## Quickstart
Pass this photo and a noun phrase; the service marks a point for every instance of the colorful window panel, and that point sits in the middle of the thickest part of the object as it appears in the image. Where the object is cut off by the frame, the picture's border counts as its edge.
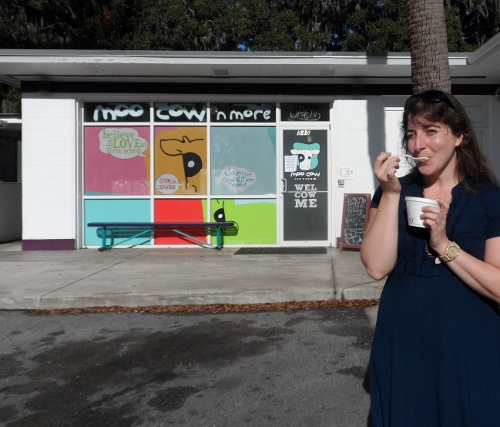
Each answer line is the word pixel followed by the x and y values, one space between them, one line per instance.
pixel 243 160
pixel 180 160
pixel 117 161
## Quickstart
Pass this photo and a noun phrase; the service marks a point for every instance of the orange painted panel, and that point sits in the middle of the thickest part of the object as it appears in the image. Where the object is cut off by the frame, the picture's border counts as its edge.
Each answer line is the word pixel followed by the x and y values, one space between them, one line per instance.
pixel 181 160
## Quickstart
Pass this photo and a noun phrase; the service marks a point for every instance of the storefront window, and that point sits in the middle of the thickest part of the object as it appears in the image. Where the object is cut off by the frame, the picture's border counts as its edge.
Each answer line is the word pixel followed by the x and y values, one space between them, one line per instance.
pixel 172 162
pixel 243 160
pixel 255 219
pixel 116 160
pixel 181 160
pixel 180 210
pixel 116 210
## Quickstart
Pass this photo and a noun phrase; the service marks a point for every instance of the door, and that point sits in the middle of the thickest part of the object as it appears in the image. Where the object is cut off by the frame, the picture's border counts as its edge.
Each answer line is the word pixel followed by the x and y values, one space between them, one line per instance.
pixel 304 187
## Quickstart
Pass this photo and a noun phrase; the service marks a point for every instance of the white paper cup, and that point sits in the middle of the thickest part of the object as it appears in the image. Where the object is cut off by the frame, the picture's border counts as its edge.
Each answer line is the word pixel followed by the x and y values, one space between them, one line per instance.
pixel 414 207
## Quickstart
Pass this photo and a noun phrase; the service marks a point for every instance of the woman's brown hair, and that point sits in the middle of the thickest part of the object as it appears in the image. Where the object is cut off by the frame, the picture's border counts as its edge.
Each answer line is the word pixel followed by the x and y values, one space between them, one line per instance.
pixel 441 107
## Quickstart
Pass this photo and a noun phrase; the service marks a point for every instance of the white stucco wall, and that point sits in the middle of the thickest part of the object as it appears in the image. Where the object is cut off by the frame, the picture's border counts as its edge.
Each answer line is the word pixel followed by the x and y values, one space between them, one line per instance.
pixel 479 111
pixel 358 127
pixel 494 134
pixel 49 167
pixel 484 113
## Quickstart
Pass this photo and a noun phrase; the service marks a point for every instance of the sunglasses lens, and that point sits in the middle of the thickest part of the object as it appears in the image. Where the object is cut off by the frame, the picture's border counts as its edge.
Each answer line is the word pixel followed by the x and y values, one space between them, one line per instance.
pixel 434 96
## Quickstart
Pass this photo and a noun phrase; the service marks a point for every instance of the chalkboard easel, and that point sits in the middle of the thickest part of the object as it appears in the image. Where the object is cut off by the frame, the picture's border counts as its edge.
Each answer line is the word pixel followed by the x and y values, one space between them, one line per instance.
pixel 354 219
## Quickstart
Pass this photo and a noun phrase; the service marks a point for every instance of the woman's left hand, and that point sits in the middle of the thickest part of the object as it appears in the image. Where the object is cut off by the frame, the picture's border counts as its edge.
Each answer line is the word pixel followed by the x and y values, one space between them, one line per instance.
pixel 435 220
pixel 482 276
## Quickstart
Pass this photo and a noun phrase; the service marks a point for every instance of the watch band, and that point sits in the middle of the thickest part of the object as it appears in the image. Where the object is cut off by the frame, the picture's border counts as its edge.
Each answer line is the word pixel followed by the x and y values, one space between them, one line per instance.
pixel 452 251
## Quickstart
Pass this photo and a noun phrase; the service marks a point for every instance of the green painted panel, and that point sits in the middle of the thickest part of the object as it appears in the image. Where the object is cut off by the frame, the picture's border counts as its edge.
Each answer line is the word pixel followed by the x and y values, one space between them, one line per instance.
pixel 255 220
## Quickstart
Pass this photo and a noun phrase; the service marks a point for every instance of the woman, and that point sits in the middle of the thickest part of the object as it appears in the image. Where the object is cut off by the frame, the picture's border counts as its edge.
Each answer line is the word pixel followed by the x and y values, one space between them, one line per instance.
pixel 435 358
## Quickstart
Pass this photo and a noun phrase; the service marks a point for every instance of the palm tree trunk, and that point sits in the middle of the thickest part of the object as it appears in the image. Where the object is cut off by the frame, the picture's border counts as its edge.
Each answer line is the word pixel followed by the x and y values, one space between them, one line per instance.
pixel 430 67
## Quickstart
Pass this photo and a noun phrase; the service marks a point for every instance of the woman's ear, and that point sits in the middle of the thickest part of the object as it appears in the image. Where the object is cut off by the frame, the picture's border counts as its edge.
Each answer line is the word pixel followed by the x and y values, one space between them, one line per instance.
pixel 459 140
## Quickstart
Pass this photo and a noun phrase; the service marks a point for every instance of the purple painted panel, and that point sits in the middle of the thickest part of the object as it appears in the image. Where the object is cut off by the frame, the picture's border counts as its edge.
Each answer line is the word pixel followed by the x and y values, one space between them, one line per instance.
pixel 48 245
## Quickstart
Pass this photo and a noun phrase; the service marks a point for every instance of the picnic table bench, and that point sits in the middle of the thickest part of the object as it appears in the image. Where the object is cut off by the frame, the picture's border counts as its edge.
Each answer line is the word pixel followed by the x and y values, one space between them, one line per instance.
pixel 132 230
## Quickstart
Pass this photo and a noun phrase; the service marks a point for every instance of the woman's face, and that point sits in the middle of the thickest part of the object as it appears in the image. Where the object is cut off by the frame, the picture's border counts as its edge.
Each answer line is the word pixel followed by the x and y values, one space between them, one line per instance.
pixel 433 140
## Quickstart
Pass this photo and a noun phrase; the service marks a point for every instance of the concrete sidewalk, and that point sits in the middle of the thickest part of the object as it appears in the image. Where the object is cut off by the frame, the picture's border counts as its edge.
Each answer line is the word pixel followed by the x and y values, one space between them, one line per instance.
pixel 146 277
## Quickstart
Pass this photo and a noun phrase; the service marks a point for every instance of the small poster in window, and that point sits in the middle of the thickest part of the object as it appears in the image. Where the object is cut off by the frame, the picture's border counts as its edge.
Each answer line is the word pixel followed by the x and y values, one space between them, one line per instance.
pixel 290 163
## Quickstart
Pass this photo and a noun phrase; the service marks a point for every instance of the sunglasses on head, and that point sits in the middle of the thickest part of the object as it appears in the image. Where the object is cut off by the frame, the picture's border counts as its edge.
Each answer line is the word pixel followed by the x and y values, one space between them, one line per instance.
pixel 433 96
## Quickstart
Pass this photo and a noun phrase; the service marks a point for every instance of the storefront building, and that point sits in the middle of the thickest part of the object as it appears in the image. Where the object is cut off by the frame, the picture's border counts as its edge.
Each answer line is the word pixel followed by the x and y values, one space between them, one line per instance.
pixel 271 142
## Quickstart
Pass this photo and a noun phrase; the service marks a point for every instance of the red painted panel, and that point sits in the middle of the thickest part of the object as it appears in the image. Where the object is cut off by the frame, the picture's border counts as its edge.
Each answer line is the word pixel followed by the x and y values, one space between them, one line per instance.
pixel 179 210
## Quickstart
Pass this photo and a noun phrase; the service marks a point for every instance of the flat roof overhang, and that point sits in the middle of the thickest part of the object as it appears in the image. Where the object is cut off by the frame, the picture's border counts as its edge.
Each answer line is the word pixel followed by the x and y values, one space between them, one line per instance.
pixel 17 66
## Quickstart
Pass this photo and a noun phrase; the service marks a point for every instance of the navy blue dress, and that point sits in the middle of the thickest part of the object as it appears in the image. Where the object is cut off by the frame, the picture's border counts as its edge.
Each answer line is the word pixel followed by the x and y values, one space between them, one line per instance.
pixel 435 358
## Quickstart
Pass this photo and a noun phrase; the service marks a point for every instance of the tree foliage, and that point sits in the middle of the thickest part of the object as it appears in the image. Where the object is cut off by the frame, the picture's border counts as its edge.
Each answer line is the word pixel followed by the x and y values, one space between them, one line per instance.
pixel 479 20
pixel 377 26
pixel 231 25
pixel 228 25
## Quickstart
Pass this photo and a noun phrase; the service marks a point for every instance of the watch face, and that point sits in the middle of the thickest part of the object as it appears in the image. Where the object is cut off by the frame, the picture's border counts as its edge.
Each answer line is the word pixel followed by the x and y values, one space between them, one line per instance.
pixel 452 251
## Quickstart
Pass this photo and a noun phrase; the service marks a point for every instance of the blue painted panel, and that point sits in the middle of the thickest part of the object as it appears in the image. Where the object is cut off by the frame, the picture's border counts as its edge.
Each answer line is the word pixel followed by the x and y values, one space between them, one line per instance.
pixel 115 210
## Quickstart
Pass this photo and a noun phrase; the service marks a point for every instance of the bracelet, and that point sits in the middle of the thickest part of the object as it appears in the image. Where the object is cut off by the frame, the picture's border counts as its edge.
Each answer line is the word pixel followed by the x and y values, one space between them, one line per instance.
pixel 451 252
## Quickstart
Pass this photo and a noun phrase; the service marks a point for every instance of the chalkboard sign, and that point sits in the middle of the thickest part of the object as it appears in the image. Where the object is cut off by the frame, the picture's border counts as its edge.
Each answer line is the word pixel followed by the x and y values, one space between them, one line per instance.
pixel 354 219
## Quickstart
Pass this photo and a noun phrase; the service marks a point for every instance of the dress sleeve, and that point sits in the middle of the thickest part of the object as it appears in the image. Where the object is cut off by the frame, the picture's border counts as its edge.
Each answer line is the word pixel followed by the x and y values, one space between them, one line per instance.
pixel 376 197
pixel 493 214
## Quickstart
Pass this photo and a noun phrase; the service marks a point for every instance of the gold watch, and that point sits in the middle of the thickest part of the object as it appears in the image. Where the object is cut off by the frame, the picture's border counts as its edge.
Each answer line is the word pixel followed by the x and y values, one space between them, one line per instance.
pixel 451 252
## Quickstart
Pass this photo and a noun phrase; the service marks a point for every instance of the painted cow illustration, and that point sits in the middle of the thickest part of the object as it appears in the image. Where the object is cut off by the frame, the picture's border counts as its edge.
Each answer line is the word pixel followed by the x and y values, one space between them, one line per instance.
pixel 307 155
pixel 191 162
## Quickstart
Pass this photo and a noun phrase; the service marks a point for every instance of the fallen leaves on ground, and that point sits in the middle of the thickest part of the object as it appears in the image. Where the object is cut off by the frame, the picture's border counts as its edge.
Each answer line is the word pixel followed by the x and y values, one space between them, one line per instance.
pixel 215 308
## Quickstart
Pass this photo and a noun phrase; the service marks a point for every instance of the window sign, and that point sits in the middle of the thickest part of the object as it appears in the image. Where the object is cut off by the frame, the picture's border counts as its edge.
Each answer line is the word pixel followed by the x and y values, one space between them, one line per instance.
pixel 243 160
pixel 303 112
pixel 243 113
pixel 181 160
pixel 180 112
pixel 116 160
pixel 116 112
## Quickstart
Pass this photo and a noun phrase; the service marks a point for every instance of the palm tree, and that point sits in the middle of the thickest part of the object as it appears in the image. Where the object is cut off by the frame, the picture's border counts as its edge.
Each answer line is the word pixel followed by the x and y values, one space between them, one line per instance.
pixel 430 68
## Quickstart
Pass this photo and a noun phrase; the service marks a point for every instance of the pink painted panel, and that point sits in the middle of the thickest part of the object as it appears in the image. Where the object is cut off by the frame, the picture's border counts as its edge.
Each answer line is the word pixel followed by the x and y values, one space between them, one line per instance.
pixel 117 160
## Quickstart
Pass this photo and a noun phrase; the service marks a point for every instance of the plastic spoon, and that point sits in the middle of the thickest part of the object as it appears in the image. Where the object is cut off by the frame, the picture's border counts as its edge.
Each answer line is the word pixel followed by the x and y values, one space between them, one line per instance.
pixel 417 159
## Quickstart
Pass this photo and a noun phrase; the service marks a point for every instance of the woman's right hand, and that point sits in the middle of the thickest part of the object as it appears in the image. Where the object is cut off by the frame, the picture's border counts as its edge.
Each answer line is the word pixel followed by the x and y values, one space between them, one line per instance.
pixel 385 169
pixel 382 228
